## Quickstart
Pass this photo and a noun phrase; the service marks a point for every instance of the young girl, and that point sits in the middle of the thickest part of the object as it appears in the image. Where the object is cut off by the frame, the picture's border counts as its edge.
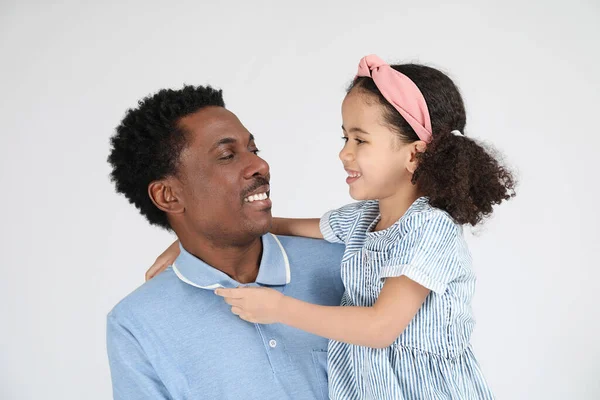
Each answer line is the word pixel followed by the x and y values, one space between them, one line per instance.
pixel 404 325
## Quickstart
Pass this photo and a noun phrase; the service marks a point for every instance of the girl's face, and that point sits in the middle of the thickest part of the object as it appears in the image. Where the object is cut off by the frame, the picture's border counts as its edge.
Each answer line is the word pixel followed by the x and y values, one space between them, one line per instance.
pixel 379 165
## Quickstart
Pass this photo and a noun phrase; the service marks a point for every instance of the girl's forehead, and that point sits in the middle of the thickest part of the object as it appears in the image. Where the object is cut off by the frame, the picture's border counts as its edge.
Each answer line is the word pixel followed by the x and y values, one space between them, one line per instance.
pixel 362 107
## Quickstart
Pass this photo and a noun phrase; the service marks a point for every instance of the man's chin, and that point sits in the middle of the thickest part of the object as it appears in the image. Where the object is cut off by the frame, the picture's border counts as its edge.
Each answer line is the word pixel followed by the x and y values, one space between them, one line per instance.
pixel 260 224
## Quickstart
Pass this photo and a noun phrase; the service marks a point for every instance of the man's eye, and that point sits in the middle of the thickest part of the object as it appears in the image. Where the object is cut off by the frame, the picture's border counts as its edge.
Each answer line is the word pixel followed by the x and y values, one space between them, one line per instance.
pixel 227 157
pixel 256 151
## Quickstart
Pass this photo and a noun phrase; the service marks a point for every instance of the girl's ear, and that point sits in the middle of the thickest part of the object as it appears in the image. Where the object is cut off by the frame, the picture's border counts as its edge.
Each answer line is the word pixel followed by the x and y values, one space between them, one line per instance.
pixel 415 148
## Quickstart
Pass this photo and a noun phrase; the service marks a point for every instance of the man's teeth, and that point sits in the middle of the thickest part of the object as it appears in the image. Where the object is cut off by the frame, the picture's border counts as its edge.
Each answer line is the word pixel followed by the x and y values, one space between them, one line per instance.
pixel 260 196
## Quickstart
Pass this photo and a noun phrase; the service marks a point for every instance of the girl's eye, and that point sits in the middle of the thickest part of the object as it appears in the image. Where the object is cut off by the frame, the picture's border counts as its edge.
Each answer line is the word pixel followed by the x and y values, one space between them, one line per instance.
pixel 357 140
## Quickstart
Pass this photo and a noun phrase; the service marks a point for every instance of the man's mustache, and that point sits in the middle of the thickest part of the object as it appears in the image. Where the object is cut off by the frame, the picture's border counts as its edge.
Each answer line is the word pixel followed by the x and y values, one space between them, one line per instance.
pixel 258 182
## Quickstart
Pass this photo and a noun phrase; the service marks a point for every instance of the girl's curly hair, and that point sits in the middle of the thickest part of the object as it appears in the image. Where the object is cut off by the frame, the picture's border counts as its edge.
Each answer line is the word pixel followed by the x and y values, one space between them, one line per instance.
pixel 458 174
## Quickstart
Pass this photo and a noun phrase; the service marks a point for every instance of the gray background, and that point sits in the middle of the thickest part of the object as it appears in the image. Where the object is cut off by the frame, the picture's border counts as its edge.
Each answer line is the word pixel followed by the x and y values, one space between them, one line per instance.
pixel 72 248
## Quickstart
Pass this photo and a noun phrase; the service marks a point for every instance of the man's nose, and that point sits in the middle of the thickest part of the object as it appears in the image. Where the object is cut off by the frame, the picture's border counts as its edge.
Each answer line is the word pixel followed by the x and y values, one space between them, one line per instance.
pixel 256 166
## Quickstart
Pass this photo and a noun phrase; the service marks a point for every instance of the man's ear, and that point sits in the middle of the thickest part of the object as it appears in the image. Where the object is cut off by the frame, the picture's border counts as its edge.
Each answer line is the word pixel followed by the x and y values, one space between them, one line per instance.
pixel 415 148
pixel 166 195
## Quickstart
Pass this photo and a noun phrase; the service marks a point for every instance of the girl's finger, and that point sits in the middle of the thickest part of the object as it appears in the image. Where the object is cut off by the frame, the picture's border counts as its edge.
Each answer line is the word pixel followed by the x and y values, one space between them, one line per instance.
pixel 152 271
pixel 232 301
pixel 247 318
pixel 236 310
pixel 230 293
pixel 158 267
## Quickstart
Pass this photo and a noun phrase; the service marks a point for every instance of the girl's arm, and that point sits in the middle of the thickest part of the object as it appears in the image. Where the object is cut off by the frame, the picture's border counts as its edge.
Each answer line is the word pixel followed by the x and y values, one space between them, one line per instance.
pixel 308 227
pixel 377 326
pixel 163 261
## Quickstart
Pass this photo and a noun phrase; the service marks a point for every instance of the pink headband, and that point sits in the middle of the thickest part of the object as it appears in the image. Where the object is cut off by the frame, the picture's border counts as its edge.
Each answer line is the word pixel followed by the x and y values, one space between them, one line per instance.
pixel 400 92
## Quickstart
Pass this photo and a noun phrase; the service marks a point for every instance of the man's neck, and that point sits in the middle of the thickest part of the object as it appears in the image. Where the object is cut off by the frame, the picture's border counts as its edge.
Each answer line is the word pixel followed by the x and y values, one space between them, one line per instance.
pixel 240 262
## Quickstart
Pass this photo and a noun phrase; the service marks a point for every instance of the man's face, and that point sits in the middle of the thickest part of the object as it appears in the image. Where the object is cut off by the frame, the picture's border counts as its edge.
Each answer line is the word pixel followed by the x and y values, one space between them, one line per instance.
pixel 224 184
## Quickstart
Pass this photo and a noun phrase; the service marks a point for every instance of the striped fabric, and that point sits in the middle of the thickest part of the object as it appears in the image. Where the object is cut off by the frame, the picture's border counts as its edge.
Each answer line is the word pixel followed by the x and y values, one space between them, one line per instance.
pixel 432 358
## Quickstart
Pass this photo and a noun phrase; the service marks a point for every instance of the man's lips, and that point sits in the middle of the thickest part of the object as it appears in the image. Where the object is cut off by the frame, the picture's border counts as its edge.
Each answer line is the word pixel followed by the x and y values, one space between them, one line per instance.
pixel 259 195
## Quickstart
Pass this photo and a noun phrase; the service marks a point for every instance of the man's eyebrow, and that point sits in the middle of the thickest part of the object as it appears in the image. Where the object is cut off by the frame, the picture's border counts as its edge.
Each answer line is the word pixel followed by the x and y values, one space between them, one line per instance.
pixel 229 140
pixel 355 130
pixel 222 141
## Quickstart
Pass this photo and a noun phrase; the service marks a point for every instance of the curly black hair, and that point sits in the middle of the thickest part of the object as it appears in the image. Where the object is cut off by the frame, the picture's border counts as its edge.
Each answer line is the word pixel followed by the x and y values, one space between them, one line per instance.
pixel 148 142
pixel 457 173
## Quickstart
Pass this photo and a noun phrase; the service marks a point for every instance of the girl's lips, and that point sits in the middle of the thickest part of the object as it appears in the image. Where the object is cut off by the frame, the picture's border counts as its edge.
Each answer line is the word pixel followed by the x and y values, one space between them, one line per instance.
pixel 352 179
pixel 353 176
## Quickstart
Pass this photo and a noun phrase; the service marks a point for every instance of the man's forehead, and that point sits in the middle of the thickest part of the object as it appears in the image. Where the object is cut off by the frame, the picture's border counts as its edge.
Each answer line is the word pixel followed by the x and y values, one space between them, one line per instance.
pixel 208 119
pixel 211 124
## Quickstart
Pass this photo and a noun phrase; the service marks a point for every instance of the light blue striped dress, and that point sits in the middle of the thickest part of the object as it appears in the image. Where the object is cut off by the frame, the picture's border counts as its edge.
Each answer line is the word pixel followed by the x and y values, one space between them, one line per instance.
pixel 432 358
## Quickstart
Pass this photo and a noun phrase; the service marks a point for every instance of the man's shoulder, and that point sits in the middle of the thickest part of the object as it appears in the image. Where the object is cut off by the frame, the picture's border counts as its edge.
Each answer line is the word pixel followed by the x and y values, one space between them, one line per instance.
pixel 154 294
pixel 312 254
pixel 317 247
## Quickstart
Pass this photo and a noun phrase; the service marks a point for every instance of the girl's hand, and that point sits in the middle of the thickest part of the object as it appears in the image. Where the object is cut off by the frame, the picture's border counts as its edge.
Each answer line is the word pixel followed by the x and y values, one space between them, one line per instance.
pixel 164 260
pixel 256 305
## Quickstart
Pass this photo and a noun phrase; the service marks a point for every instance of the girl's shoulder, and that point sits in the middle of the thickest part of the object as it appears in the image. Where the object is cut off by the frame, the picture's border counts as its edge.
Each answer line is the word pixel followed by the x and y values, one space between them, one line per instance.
pixel 348 223
pixel 422 214
pixel 367 209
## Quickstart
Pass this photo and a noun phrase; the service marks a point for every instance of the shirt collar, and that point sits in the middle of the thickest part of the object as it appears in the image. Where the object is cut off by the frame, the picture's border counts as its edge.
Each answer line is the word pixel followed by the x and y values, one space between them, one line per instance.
pixel 417 206
pixel 274 268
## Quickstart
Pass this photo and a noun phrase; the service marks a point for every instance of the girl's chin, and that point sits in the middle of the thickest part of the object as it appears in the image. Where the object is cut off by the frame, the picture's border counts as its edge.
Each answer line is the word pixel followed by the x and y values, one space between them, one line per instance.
pixel 360 195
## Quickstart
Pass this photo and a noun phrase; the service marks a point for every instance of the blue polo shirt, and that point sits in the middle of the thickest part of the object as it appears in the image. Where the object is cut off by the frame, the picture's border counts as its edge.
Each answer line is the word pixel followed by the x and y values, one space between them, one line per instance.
pixel 173 338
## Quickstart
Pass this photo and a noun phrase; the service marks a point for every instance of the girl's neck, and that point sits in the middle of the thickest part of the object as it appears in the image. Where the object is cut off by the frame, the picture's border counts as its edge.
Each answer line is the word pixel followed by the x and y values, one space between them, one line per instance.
pixel 392 208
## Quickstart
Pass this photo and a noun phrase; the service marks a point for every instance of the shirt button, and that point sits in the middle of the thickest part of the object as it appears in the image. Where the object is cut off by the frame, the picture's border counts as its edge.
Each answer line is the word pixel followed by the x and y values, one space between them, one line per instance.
pixel 273 343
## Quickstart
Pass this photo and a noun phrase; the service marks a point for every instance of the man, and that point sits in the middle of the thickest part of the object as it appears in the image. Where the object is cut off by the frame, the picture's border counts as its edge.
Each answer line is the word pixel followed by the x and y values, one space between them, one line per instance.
pixel 190 166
